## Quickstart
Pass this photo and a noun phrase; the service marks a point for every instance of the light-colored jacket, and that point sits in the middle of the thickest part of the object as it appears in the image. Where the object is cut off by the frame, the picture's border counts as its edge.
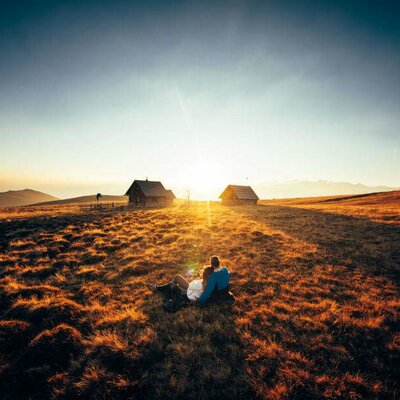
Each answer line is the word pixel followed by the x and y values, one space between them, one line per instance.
pixel 195 289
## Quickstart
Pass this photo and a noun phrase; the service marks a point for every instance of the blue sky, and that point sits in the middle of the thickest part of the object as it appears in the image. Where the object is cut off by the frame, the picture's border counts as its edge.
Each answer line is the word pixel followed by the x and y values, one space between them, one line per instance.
pixel 198 94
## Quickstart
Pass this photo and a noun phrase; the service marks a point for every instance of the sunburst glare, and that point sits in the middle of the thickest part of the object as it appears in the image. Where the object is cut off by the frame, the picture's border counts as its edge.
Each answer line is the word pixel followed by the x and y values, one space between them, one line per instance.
pixel 206 180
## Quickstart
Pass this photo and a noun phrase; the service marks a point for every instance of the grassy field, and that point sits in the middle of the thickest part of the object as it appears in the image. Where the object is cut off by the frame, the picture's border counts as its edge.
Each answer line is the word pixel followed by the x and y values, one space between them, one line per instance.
pixel 379 207
pixel 316 317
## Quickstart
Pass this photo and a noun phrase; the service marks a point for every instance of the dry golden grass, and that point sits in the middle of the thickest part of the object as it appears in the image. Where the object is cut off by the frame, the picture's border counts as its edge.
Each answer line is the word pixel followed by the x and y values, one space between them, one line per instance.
pixel 379 207
pixel 316 313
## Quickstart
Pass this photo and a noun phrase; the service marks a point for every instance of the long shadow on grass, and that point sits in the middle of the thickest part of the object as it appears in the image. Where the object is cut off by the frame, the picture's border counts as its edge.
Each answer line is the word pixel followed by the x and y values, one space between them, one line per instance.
pixel 22 228
pixel 33 227
pixel 198 355
pixel 337 347
pixel 346 240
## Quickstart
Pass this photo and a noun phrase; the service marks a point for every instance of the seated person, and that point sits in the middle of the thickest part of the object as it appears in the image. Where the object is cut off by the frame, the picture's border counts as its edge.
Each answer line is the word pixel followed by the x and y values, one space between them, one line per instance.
pixel 214 283
pixel 218 282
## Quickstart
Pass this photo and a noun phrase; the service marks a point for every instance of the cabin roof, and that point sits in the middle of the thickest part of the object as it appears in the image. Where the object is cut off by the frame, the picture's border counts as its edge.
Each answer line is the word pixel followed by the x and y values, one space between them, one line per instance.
pixel 149 188
pixel 241 192
pixel 170 194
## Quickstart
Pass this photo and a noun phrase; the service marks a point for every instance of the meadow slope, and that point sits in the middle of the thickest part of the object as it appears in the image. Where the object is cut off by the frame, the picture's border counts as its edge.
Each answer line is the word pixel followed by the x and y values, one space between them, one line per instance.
pixel 316 315
pixel 378 207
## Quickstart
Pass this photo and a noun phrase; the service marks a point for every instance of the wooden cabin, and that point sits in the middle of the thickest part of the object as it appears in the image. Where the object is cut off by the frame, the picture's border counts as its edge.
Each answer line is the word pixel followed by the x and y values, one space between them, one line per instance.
pixel 149 194
pixel 170 197
pixel 238 195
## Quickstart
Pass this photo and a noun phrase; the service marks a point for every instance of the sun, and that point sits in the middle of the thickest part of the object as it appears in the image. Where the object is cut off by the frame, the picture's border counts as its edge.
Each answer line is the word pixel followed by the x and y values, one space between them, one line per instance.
pixel 205 181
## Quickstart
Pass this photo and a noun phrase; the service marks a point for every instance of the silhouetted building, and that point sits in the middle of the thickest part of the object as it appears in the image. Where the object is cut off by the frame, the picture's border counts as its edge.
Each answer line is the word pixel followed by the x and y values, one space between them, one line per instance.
pixel 170 197
pixel 238 195
pixel 149 194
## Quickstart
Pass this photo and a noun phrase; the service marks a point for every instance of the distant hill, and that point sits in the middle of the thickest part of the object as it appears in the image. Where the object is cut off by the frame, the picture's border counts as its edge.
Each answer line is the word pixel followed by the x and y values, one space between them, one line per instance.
pixel 391 198
pixel 293 189
pixel 15 198
pixel 387 198
pixel 83 199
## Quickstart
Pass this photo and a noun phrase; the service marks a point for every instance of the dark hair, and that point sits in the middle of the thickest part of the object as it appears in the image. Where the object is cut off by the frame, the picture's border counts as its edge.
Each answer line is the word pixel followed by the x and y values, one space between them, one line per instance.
pixel 207 271
pixel 214 261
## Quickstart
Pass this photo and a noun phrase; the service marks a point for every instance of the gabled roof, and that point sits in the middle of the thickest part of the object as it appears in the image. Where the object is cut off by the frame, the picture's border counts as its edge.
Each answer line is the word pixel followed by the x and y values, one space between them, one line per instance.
pixel 170 194
pixel 149 188
pixel 241 192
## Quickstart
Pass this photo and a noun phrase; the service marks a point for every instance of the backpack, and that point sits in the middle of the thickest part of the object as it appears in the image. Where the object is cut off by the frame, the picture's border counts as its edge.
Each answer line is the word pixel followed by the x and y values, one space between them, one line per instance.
pixel 174 300
pixel 224 297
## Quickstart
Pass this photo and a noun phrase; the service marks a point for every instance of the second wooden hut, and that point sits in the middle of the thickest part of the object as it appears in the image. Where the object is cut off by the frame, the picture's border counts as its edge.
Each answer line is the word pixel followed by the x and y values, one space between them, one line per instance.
pixel 238 195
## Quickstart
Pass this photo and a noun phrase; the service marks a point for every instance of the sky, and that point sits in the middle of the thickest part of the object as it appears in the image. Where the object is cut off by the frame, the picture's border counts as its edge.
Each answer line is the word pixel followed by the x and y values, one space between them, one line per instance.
pixel 197 94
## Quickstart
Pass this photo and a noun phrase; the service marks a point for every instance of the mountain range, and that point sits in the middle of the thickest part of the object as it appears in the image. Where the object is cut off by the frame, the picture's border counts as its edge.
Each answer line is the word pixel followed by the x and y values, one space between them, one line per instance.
pixel 14 198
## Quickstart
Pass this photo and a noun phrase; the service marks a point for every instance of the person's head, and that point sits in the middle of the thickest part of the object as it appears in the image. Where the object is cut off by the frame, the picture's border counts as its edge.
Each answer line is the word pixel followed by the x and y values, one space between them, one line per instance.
pixel 207 271
pixel 214 261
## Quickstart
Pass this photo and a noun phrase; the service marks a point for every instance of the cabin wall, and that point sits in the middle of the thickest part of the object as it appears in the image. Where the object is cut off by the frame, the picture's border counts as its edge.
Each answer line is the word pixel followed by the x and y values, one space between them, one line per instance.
pixel 152 202
pixel 229 195
pixel 138 200
pixel 238 202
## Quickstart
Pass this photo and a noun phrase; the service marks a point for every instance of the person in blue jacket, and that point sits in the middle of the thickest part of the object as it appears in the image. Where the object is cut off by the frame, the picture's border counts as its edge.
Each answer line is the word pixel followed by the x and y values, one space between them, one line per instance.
pixel 215 278
pixel 218 282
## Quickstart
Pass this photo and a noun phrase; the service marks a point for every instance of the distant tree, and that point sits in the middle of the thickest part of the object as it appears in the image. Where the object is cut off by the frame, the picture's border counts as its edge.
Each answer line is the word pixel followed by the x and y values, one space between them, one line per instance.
pixel 98 196
pixel 188 195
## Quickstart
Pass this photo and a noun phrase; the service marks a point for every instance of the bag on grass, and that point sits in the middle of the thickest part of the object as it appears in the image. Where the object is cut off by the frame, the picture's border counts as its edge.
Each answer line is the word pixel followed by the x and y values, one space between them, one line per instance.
pixel 174 300
pixel 223 296
pixel 226 298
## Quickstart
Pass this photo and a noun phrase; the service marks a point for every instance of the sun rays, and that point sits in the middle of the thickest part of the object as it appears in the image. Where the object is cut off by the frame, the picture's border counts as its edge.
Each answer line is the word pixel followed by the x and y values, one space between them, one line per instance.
pixel 206 180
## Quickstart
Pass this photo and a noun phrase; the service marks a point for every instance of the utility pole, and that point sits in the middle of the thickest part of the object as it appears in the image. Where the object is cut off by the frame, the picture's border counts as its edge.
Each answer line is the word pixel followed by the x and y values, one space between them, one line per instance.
pixel 188 196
